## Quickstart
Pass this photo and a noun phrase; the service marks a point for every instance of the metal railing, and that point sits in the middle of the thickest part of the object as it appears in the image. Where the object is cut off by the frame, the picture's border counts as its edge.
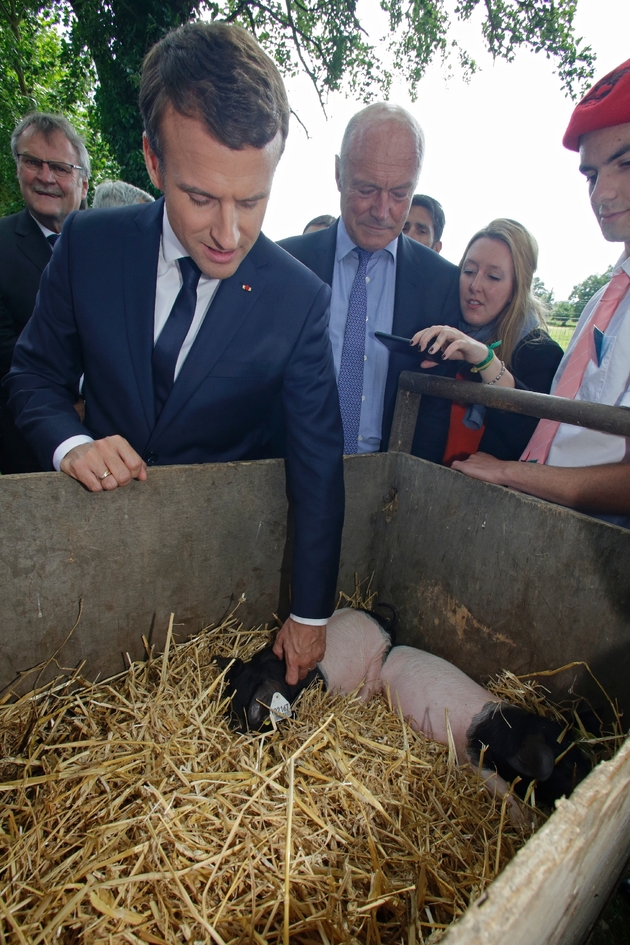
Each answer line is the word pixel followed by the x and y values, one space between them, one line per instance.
pixel 411 387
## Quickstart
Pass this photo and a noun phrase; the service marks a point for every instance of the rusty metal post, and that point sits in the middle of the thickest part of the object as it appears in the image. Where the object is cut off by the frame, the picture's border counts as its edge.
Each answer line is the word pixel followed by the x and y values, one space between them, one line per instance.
pixel 404 422
pixel 411 386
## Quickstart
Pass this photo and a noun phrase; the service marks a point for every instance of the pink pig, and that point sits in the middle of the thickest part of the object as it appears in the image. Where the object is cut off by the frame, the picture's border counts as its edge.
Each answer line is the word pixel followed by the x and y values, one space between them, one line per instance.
pixel 424 687
pixel 513 743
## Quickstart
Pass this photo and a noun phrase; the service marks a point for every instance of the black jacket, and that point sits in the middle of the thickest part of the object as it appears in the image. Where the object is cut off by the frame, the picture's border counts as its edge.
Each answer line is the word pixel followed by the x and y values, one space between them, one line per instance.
pixel 24 254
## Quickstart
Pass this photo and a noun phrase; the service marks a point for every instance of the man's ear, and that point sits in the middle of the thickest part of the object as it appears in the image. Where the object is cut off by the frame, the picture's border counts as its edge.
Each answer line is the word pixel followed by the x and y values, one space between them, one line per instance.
pixel 152 162
pixel 338 172
pixel 84 188
pixel 437 246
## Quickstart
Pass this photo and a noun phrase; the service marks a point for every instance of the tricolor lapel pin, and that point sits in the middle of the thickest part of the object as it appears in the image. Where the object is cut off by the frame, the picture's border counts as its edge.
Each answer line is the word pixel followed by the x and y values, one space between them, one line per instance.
pixel 247 288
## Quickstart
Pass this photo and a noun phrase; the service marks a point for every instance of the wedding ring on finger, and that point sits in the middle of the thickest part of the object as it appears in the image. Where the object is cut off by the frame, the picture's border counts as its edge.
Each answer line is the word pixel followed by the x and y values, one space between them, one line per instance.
pixel 105 475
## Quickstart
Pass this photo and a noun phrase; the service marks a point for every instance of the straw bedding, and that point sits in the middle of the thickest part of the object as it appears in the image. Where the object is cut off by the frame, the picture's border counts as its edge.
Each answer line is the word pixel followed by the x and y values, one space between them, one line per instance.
pixel 132 813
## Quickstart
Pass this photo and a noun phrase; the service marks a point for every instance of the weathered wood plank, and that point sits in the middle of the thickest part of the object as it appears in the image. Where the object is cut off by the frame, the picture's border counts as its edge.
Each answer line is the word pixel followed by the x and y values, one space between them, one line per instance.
pixel 553 890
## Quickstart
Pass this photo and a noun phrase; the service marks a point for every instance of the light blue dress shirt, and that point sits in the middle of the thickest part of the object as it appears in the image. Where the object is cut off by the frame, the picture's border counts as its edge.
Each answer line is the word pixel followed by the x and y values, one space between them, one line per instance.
pixel 381 285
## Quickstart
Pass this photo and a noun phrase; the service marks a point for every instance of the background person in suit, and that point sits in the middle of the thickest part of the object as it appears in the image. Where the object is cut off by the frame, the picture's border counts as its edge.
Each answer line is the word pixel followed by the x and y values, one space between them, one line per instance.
pixel 53 169
pixel 319 223
pixel 188 323
pixel 381 280
pixel 425 222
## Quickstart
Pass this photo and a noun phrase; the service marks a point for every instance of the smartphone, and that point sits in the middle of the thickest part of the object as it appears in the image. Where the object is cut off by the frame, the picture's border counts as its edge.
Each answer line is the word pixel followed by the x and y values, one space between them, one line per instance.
pixel 403 346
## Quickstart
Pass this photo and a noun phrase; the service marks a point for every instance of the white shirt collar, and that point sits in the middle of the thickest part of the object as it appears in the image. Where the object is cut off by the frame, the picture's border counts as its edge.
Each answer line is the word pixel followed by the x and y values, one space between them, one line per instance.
pixel 622 263
pixel 345 244
pixel 43 228
pixel 172 249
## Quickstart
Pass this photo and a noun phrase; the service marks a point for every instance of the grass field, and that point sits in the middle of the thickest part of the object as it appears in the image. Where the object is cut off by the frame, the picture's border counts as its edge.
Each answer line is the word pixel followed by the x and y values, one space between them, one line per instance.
pixel 561 334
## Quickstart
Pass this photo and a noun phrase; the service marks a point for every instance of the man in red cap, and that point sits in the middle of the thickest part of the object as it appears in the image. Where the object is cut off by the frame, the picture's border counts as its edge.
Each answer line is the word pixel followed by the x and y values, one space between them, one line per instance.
pixel 570 465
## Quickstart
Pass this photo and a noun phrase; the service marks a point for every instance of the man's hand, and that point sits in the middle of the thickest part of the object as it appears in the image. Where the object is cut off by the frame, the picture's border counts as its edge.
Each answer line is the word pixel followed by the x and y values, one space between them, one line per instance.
pixel 302 645
pixel 104 464
pixel 485 467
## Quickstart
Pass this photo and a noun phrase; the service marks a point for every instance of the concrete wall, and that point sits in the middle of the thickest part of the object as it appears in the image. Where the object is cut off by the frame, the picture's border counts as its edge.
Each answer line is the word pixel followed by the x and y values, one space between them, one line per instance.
pixel 493 579
pixel 484 577
pixel 190 540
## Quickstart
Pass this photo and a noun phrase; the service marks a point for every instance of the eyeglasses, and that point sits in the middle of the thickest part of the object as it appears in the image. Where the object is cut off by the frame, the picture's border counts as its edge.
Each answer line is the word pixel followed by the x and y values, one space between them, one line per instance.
pixel 56 168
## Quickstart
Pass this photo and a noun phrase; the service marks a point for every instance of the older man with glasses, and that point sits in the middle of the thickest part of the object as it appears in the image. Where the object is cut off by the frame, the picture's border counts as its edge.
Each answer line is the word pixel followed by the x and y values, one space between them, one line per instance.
pixel 53 169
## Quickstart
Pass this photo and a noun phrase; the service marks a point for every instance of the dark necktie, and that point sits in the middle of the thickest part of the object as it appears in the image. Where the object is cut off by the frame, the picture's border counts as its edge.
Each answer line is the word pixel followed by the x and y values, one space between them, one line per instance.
pixel 52 238
pixel 350 381
pixel 169 344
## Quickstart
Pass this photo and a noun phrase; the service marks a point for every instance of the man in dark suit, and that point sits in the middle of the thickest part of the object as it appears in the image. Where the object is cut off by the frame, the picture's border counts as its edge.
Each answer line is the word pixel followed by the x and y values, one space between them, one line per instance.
pixel 380 279
pixel 188 324
pixel 53 169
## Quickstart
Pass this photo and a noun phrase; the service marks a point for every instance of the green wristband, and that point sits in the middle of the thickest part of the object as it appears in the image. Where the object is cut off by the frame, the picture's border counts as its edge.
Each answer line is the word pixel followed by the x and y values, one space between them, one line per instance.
pixel 487 360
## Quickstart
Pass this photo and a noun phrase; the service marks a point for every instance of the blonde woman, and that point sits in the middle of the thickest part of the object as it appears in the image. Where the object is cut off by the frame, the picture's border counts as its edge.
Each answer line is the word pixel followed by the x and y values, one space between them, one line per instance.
pixel 501 340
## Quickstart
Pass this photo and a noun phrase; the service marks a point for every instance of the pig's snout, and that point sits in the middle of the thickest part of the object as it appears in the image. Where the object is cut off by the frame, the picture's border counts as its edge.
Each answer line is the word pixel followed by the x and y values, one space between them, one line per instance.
pixel 517 743
pixel 252 686
pixel 260 702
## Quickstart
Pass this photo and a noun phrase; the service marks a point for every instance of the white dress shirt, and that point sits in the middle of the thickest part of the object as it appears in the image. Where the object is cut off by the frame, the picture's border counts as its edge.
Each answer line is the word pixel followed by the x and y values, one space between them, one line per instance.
pixel 381 287
pixel 605 383
pixel 43 228
pixel 168 284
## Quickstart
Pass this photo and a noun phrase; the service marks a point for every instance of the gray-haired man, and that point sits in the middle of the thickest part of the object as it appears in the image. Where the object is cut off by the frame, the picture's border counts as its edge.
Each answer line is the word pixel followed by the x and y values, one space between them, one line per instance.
pixel 53 169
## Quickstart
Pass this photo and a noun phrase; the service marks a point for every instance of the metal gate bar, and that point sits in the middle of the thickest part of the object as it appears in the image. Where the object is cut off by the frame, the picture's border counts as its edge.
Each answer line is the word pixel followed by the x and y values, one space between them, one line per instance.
pixel 412 385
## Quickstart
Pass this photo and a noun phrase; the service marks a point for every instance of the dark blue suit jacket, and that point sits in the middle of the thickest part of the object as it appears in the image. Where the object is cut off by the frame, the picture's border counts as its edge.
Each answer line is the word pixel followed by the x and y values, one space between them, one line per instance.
pixel 257 347
pixel 427 293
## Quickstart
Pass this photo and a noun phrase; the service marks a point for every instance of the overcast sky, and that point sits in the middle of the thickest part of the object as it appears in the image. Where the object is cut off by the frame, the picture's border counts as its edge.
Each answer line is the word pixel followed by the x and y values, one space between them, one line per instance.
pixel 493 149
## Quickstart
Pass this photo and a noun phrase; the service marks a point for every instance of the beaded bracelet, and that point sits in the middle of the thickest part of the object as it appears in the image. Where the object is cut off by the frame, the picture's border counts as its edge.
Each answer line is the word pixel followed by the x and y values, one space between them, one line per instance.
pixel 498 377
pixel 487 360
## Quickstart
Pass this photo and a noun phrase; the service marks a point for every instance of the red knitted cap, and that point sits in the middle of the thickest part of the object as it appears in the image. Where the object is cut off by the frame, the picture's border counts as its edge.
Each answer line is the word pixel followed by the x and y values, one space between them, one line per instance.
pixel 606 104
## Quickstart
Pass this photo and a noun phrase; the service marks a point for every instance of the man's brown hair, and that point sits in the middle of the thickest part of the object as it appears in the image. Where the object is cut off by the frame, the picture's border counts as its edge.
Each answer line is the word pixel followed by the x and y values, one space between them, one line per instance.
pixel 218 73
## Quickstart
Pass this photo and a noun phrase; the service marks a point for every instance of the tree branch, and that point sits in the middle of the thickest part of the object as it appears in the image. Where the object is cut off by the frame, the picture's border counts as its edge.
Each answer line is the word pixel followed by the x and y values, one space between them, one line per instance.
pixel 236 13
pixel 298 48
pixel 299 120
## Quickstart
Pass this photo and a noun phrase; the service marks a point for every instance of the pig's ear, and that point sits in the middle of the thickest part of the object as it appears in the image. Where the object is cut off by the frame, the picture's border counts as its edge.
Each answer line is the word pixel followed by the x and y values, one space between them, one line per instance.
pixel 534 758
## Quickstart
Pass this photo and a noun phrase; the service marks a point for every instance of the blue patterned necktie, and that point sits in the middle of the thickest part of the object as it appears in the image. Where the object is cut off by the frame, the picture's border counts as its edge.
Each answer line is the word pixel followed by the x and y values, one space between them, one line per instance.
pixel 52 239
pixel 172 336
pixel 350 381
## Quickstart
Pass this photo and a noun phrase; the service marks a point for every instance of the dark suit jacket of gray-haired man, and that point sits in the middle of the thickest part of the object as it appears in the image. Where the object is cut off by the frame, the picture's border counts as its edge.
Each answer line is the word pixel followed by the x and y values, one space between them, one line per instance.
pixel 407 285
pixel 188 324
pixel 53 168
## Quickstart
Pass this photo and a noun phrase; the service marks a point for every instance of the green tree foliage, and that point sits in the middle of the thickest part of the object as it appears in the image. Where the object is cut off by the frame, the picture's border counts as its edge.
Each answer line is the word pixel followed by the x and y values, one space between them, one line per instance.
pixel 568 313
pixel 324 38
pixel 43 69
pixel 584 291
pixel 562 313
pixel 541 291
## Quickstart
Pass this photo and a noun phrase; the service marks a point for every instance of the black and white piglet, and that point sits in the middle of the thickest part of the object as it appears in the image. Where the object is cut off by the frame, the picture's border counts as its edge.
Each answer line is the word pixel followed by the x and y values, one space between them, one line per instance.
pixel 427 690
pixel 254 684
